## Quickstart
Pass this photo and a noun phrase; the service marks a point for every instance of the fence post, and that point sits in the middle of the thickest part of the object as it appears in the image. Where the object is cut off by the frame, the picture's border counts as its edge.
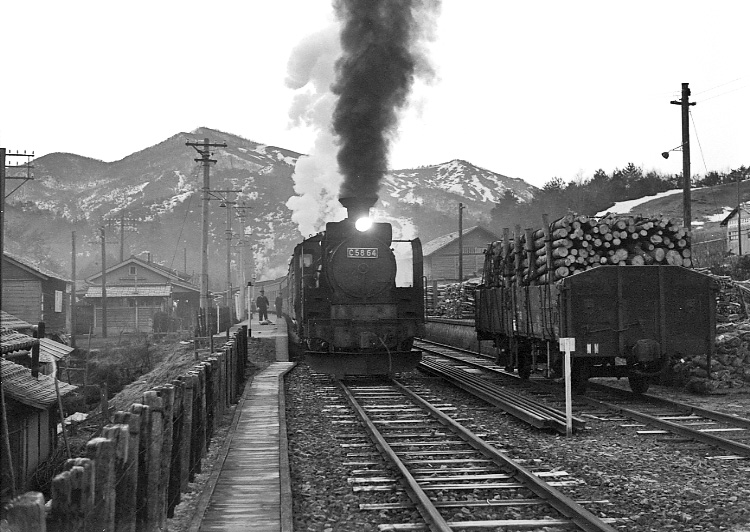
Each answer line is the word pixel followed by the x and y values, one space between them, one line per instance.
pixel 102 452
pixel 62 503
pixel 127 502
pixel 81 491
pixel 153 459
pixel 188 401
pixel 178 440
pixel 202 413
pixel 119 434
pixel 166 393
pixel 25 513
pixel 208 401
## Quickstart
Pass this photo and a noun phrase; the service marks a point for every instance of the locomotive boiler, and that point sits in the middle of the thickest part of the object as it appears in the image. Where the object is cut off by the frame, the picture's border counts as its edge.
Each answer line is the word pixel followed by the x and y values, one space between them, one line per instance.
pixel 355 297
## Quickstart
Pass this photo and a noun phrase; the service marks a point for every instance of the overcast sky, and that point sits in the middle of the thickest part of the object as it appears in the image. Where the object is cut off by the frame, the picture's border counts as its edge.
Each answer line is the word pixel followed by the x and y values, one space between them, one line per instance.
pixel 532 90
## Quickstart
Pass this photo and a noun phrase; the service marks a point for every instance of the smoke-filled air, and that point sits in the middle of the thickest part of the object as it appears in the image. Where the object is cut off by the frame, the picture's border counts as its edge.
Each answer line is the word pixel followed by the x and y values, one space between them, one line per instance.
pixel 351 85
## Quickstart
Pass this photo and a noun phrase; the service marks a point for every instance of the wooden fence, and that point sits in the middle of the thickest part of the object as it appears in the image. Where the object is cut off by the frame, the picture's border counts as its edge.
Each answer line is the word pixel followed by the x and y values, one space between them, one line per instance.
pixel 132 477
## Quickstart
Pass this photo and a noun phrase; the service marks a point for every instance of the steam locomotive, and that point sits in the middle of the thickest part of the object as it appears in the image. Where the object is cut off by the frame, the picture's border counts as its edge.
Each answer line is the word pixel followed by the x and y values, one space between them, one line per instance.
pixel 355 297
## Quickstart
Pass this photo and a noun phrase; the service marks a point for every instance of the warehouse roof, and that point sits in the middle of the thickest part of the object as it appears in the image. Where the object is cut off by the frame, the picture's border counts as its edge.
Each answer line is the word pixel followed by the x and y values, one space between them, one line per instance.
pixel 440 242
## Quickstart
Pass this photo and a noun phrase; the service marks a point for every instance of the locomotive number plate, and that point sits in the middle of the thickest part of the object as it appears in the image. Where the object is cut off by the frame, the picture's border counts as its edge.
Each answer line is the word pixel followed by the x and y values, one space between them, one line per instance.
pixel 362 253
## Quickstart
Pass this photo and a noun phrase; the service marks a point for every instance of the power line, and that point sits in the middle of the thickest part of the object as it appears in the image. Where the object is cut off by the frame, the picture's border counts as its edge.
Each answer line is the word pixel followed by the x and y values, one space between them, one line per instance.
pixel 724 93
pixel 700 148
pixel 718 86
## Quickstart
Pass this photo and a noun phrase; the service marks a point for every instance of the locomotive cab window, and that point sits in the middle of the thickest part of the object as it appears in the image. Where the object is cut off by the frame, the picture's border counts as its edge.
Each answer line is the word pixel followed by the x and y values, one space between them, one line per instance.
pixel 307 260
pixel 404 264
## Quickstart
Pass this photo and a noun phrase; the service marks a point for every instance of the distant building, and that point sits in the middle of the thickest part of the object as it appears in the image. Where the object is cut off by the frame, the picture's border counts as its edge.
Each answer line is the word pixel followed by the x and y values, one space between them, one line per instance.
pixel 34 294
pixel 136 289
pixel 441 254
pixel 738 244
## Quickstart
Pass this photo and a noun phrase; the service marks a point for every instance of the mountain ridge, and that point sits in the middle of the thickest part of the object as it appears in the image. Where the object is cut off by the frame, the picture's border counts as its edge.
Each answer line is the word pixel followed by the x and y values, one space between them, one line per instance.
pixel 158 190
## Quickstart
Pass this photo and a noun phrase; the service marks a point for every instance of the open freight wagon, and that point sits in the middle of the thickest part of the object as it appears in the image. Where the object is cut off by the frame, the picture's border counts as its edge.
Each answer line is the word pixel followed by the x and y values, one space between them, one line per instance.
pixel 628 320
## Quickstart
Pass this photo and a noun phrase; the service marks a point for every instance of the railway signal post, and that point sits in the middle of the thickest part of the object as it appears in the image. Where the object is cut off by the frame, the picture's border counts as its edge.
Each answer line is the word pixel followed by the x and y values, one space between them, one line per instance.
pixel 567 346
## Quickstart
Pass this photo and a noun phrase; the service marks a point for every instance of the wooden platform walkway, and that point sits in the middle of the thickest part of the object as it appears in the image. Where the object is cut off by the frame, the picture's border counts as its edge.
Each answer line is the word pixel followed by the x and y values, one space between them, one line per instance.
pixel 249 489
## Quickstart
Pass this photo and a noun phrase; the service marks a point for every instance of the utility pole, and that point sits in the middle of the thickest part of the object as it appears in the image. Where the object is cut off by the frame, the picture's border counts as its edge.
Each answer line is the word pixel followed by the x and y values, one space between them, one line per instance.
pixel 461 208
pixel 104 284
pixel 73 292
pixel 685 104
pixel 204 148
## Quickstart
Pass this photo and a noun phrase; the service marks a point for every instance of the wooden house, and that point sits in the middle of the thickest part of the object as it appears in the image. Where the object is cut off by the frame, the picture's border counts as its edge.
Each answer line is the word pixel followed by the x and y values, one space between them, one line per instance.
pixel 738 242
pixel 137 289
pixel 31 410
pixel 35 294
pixel 441 254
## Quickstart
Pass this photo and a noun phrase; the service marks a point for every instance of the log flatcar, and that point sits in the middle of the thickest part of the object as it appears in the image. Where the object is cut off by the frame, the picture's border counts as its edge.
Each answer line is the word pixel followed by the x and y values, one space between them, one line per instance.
pixel 355 298
pixel 628 320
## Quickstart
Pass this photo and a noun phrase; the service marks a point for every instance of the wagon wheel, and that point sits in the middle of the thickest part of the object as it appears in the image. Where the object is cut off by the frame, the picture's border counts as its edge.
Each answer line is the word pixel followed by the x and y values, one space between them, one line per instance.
pixel 638 383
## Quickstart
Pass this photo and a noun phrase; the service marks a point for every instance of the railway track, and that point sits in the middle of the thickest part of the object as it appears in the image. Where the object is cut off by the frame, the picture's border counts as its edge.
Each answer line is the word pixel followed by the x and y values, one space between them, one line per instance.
pixel 652 415
pixel 459 368
pixel 455 479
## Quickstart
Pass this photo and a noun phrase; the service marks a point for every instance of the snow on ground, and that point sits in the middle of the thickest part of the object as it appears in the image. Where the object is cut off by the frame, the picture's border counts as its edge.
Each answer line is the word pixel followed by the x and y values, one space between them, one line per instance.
pixel 622 207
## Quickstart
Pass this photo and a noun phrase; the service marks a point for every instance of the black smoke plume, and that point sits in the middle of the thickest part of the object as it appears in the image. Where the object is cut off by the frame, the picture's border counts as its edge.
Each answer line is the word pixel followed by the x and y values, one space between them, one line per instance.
pixel 374 76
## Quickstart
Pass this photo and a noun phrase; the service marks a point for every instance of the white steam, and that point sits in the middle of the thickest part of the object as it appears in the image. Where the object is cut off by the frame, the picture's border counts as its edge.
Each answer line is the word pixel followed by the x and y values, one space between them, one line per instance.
pixel 310 71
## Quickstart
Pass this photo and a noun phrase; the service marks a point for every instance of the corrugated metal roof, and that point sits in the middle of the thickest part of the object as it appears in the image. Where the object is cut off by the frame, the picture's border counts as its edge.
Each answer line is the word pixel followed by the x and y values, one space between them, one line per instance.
pixel 9 321
pixel 164 290
pixel 54 349
pixel 18 384
pixel 11 341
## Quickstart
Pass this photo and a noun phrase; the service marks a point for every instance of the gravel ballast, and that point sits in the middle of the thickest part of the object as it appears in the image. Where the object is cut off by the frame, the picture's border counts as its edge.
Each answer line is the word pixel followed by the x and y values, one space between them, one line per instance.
pixel 651 484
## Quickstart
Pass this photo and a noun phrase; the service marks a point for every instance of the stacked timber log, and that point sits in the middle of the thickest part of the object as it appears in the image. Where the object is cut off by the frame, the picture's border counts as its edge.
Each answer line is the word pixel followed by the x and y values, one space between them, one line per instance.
pixel 455 300
pixel 730 365
pixel 576 243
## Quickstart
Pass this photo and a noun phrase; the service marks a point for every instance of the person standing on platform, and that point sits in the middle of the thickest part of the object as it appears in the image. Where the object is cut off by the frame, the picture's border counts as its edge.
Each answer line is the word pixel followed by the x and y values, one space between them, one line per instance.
pixel 279 303
pixel 262 303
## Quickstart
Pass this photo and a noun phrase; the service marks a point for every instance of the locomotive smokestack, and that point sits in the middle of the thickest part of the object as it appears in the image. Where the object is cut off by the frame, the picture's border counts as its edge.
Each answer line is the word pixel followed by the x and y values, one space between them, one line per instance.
pixel 357 208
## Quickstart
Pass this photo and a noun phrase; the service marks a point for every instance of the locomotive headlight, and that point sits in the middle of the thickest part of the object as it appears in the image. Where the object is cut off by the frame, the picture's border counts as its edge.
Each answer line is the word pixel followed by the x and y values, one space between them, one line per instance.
pixel 363 224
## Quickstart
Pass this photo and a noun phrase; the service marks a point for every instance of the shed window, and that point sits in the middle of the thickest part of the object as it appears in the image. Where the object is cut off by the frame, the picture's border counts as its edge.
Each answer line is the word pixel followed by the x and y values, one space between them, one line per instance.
pixel 132 270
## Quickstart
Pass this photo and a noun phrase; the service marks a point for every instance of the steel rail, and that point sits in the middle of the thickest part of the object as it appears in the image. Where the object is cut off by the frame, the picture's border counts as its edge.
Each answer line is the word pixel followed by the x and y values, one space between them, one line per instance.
pixel 423 503
pixel 661 401
pixel 573 511
pixel 686 432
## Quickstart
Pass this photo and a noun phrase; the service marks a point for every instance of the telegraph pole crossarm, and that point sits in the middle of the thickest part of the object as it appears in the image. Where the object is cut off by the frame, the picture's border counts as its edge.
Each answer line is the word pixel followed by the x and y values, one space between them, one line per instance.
pixel 26 166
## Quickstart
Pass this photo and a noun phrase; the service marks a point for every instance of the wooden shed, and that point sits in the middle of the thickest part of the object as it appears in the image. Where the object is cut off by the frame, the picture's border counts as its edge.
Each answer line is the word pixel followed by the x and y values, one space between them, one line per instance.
pixel 35 294
pixel 441 254
pixel 32 414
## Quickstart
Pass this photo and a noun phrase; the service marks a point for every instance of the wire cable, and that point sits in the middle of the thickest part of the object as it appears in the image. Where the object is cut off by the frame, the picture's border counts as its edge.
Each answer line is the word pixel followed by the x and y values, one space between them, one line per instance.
pixel 700 148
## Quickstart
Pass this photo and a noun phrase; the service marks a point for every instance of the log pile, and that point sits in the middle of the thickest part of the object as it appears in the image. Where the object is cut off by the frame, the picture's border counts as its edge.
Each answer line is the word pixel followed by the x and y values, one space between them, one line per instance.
pixel 576 243
pixel 730 366
pixel 454 300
